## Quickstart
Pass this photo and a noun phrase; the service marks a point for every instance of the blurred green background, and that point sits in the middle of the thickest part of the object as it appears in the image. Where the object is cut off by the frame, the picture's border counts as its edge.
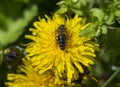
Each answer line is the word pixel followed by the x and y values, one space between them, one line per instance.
pixel 17 16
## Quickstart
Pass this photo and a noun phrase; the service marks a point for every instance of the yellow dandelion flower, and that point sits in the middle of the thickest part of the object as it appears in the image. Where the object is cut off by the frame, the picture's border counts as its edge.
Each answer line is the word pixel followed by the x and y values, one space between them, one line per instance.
pixel 31 78
pixel 56 44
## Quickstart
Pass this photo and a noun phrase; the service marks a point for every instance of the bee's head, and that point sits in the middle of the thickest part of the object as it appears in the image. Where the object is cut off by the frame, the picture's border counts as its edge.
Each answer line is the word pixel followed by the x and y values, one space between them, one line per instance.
pixel 62 28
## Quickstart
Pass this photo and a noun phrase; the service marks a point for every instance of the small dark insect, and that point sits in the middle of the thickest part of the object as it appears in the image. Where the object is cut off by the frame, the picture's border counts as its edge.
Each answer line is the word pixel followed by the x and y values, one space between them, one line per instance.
pixel 82 75
pixel 61 38
pixel 13 56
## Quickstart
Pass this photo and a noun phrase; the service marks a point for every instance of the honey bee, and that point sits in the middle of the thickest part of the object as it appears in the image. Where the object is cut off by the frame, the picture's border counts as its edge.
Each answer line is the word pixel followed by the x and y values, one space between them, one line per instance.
pixel 13 56
pixel 61 38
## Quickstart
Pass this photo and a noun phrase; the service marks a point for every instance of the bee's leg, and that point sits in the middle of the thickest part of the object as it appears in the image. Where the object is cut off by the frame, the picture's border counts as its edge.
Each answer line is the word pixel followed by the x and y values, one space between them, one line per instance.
pixel 67 40
pixel 56 37
pixel 56 42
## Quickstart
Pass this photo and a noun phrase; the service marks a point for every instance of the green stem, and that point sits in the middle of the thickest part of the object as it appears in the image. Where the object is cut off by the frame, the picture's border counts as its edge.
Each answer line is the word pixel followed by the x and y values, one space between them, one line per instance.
pixel 1 57
pixel 2 48
pixel 110 79
pixel 113 28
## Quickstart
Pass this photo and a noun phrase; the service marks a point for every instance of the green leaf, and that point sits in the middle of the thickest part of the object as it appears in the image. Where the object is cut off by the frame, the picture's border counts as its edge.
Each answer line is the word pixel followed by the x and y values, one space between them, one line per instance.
pixel 104 29
pixel 62 10
pixel 77 11
pixel 76 4
pixel 3 22
pixel 69 5
pixel 83 2
pixel 117 13
pixel 109 19
pixel 61 3
pixel 97 13
pixel 16 27
pixel 89 31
